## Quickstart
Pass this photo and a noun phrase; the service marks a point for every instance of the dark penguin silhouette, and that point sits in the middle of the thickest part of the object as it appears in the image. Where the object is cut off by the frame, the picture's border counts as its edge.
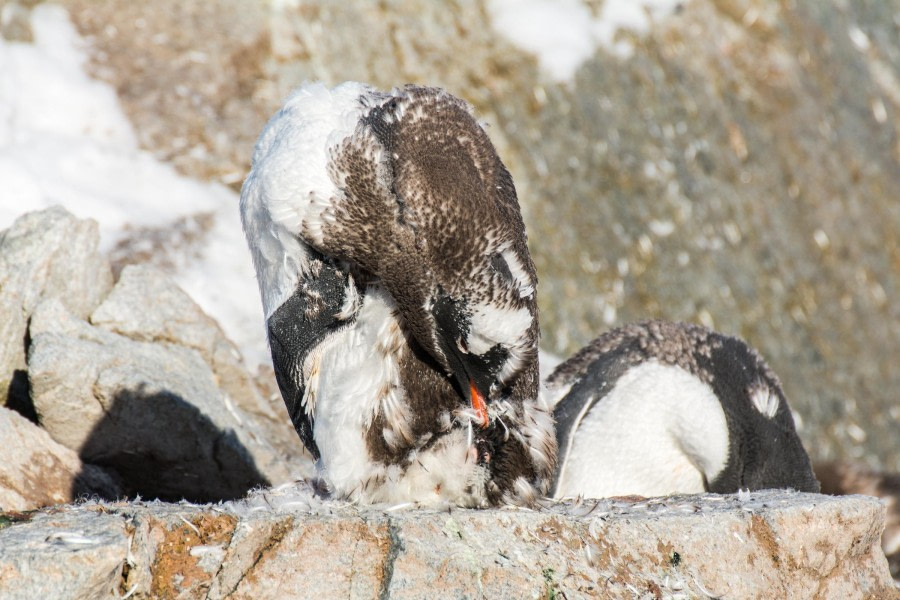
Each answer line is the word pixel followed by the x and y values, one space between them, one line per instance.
pixel 399 297
pixel 657 408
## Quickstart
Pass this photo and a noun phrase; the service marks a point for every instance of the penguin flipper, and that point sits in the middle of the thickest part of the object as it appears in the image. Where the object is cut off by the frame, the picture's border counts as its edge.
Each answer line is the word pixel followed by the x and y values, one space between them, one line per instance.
pixel 296 327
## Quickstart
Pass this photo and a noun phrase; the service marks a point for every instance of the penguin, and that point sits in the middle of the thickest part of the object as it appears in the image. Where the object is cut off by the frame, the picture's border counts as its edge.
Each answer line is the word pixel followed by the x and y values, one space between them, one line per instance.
pixel 657 408
pixel 399 297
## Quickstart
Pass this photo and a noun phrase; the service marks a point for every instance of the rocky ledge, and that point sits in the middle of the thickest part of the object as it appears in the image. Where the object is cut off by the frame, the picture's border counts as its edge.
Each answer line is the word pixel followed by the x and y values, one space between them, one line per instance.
pixel 126 389
pixel 290 543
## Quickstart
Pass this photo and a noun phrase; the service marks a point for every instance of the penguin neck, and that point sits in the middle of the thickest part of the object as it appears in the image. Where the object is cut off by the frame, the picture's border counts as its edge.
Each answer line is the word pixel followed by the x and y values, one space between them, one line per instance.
pixel 659 430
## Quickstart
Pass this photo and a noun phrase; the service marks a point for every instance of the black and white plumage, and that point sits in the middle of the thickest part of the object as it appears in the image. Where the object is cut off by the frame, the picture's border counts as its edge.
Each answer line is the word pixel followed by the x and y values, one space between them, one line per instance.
pixel 657 408
pixel 399 297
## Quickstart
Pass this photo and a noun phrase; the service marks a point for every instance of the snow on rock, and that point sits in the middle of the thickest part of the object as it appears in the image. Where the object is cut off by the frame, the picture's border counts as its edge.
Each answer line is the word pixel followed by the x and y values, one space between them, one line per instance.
pixel 565 33
pixel 64 140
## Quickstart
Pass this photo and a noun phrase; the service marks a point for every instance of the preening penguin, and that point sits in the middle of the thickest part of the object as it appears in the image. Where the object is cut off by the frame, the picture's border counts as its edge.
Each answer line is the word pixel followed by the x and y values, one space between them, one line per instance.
pixel 399 297
pixel 656 408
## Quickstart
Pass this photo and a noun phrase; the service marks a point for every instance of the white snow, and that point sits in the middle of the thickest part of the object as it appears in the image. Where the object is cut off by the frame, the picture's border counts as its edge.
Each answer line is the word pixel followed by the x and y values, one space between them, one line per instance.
pixel 65 140
pixel 564 33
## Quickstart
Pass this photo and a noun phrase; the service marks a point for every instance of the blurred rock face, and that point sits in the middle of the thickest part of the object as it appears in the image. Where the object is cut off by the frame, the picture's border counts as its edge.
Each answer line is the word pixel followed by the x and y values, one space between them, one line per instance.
pixel 740 169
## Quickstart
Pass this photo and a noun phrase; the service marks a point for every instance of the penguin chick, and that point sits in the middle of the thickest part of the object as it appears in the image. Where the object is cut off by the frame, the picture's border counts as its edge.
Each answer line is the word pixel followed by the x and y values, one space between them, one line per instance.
pixel 399 297
pixel 656 408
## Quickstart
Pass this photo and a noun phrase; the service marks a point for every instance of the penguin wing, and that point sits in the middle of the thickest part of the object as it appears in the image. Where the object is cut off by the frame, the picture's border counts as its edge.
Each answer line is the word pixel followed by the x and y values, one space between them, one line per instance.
pixel 296 328
pixel 592 387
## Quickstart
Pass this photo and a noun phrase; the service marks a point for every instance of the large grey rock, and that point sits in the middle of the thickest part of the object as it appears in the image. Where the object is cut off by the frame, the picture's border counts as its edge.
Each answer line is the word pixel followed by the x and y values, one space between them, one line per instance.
pixel 147 306
pixel 739 169
pixel 44 254
pixel 35 471
pixel 290 544
pixel 151 411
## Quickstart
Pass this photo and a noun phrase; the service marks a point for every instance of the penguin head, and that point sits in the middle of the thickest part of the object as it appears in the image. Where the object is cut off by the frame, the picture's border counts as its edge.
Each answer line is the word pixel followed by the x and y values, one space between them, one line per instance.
pixel 765 451
pixel 425 204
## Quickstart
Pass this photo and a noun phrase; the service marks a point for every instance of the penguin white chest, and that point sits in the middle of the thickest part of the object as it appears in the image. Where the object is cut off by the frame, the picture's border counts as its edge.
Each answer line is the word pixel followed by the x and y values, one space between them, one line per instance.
pixel 353 377
pixel 658 431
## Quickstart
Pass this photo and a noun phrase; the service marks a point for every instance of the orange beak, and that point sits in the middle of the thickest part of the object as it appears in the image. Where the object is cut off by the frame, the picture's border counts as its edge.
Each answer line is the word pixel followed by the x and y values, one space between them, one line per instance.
pixel 479 405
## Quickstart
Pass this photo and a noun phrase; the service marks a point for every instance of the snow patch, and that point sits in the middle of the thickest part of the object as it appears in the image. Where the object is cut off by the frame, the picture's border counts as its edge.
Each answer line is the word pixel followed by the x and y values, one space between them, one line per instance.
pixel 65 140
pixel 565 33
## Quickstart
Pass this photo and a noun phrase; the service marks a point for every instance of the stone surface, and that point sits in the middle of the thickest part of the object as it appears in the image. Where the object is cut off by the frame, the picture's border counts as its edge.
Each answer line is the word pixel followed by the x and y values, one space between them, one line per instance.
pixel 15 21
pixel 739 169
pixel 35 471
pixel 66 554
pixel 147 306
pixel 150 411
pixel 289 544
pixel 843 478
pixel 152 391
pixel 44 254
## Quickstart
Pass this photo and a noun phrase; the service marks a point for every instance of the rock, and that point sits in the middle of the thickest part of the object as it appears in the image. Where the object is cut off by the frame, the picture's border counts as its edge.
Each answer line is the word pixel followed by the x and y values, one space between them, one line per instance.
pixel 228 66
pixel 35 471
pixel 150 411
pixel 738 169
pixel 155 392
pixel 147 306
pixel 694 183
pixel 66 554
pixel 15 22
pixel 289 543
pixel 44 254
pixel 842 477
